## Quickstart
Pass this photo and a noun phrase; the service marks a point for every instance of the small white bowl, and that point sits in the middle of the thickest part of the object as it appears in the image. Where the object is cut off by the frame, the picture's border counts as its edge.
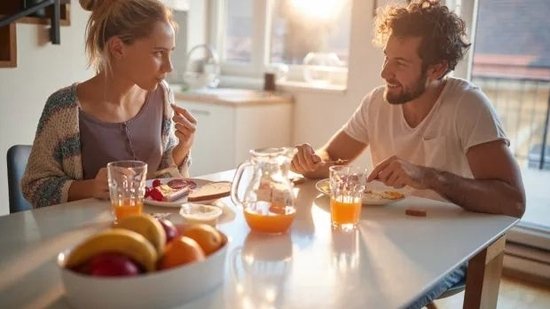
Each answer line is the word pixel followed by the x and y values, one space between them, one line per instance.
pixel 160 289
pixel 200 213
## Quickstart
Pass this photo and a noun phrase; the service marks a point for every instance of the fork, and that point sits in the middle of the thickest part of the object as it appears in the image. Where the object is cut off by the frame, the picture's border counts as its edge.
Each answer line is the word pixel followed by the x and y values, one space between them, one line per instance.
pixel 336 162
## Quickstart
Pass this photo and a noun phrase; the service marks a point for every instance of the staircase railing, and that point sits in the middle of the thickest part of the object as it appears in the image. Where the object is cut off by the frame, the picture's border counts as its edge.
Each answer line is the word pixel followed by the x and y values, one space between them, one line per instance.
pixel 55 35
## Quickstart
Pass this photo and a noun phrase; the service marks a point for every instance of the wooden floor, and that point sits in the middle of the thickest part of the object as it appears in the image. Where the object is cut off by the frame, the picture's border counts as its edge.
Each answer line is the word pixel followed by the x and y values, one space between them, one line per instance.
pixel 513 293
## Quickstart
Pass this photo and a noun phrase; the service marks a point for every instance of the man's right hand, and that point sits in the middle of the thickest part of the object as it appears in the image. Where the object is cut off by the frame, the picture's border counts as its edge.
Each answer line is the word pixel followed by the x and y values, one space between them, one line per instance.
pixel 305 160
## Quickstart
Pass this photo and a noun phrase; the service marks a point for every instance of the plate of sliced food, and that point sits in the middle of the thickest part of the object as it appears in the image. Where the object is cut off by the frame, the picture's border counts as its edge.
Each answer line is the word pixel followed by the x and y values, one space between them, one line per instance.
pixel 173 192
pixel 376 193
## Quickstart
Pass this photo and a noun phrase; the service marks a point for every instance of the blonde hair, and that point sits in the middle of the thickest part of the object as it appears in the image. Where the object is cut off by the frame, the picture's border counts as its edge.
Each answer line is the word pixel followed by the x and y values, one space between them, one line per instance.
pixel 128 20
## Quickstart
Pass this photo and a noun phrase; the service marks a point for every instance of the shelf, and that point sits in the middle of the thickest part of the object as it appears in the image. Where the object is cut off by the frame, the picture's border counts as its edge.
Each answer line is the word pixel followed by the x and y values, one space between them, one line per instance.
pixel 8 41
pixel 8 52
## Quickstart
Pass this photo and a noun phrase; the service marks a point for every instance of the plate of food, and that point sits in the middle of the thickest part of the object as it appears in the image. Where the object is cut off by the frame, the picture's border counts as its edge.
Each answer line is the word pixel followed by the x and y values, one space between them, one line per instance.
pixel 173 192
pixel 376 192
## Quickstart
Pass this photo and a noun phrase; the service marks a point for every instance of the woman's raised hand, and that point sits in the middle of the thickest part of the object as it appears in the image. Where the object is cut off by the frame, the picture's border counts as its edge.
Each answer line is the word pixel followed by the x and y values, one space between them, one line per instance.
pixel 185 125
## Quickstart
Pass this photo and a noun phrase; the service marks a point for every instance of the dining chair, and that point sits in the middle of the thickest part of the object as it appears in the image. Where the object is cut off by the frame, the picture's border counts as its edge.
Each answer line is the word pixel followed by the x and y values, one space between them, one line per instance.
pixel 17 158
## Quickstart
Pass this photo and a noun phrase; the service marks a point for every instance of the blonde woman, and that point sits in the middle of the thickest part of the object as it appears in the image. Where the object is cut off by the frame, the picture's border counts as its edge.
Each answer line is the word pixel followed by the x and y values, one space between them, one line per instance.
pixel 124 112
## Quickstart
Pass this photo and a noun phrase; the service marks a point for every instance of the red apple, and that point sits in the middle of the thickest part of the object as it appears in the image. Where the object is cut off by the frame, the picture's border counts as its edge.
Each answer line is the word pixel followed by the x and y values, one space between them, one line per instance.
pixel 111 264
pixel 169 229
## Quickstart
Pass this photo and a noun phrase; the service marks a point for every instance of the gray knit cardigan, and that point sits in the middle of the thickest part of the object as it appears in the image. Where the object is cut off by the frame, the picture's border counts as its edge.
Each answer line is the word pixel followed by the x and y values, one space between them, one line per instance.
pixel 55 160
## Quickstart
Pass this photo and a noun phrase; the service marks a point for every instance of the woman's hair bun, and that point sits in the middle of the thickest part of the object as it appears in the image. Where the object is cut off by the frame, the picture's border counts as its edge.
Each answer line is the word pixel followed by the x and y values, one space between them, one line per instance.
pixel 88 5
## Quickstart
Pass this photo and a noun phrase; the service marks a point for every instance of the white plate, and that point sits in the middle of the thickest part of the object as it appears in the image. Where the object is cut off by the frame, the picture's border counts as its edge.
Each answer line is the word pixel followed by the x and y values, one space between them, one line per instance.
pixel 198 194
pixel 323 186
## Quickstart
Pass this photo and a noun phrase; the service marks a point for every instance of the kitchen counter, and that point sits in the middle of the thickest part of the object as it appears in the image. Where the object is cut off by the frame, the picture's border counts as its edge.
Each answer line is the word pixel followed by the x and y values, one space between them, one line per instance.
pixel 230 122
pixel 231 96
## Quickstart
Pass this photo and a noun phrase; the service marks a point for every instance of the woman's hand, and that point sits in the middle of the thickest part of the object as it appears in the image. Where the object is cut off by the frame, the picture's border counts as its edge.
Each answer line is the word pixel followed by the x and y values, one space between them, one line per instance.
pixel 100 188
pixel 185 125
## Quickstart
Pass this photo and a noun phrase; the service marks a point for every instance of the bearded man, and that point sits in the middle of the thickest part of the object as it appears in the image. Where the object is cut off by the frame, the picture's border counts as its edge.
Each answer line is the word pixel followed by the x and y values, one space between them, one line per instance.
pixel 427 130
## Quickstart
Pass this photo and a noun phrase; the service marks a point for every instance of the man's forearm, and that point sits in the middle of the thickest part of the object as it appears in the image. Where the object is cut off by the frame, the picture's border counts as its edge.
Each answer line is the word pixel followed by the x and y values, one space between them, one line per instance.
pixel 479 195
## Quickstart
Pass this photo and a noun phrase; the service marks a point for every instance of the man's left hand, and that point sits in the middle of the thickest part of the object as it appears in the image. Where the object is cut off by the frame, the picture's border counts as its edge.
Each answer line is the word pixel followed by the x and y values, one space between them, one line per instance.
pixel 398 173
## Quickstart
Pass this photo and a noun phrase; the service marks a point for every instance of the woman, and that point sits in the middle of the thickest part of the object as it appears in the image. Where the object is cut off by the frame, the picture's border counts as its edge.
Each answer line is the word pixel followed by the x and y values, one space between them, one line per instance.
pixel 124 112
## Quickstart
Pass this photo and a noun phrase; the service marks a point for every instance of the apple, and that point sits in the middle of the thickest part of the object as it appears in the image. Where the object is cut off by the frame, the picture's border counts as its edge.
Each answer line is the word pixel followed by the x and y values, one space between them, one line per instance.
pixel 169 229
pixel 111 264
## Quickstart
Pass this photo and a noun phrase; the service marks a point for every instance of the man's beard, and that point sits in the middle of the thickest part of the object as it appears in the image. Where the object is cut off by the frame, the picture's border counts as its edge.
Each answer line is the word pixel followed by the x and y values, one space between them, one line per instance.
pixel 406 96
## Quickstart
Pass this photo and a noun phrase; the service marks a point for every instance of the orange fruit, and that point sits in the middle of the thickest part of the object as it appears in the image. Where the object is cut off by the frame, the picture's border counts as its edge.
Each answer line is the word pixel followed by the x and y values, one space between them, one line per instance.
pixel 206 236
pixel 179 251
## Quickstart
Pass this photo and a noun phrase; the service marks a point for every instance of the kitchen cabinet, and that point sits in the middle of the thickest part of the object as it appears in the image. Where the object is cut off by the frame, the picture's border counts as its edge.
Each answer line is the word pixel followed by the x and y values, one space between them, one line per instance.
pixel 230 122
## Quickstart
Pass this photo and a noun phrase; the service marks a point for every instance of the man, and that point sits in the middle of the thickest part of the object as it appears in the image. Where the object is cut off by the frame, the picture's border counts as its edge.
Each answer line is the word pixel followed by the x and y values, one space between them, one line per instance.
pixel 426 130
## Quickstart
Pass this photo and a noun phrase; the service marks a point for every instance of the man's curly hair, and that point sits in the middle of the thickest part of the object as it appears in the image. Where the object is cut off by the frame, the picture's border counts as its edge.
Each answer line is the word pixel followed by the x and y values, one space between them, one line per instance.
pixel 443 32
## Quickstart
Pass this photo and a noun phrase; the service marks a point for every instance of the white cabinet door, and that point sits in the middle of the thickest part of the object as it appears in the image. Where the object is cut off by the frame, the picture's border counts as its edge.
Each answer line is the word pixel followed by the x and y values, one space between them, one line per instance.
pixel 261 126
pixel 213 148
pixel 226 133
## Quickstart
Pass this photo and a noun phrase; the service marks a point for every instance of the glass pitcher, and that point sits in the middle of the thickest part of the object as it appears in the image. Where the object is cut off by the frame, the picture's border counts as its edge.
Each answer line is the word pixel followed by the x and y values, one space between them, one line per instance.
pixel 268 201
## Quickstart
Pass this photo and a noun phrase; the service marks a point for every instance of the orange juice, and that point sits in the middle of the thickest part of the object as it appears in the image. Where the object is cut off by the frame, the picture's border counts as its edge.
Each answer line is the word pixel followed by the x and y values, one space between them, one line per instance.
pixel 127 209
pixel 267 218
pixel 345 213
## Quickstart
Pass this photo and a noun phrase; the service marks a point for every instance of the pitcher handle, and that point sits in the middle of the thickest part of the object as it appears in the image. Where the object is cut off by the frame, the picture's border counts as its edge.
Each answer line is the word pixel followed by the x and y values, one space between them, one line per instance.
pixel 235 184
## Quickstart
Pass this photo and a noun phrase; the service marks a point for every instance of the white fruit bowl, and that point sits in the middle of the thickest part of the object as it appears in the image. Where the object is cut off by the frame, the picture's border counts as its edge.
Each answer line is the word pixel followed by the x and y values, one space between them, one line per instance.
pixel 159 289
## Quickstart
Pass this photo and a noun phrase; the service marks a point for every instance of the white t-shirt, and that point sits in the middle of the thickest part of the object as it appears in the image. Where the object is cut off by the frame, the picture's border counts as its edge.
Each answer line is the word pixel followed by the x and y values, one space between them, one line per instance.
pixel 461 118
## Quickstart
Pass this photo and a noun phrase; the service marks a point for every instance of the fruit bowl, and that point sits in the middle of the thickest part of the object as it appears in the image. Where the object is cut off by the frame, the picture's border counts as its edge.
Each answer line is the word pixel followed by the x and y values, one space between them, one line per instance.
pixel 162 288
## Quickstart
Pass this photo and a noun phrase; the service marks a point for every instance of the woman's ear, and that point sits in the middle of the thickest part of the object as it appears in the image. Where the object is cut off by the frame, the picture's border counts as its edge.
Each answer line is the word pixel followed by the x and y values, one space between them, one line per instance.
pixel 438 70
pixel 116 47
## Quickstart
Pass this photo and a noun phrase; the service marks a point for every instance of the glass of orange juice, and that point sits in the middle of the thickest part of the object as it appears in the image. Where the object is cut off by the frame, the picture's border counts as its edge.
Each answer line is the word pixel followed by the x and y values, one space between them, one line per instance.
pixel 347 184
pixel 126 187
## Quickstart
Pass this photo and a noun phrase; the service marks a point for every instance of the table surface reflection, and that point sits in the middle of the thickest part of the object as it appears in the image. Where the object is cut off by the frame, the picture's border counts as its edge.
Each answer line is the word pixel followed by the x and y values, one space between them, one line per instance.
pixel 388 262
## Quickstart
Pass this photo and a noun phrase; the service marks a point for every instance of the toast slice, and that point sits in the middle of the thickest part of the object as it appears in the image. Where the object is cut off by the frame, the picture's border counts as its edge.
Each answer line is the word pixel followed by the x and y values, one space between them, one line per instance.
pixel 210 191
pixel 170 194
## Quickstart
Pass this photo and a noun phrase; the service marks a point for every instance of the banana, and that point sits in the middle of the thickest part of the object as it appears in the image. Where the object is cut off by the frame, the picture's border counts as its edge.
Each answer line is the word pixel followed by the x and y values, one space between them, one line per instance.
pixel 117 240
pixel 148 227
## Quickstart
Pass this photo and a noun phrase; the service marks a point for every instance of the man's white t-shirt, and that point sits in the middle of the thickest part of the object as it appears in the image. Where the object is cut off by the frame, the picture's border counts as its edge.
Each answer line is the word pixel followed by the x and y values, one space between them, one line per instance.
pixel 462 117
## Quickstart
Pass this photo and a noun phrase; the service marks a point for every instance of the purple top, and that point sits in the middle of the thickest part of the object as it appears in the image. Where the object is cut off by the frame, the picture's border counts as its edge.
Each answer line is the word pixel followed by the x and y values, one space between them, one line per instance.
pixel 136 139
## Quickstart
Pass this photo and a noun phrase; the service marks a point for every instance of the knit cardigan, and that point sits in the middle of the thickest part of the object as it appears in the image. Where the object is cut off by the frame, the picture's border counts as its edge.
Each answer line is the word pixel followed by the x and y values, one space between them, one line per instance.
pixel 56 159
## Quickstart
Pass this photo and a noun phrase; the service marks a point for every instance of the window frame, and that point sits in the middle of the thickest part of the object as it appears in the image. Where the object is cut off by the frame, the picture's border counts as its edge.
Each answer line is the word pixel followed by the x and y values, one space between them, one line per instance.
pixel 261 42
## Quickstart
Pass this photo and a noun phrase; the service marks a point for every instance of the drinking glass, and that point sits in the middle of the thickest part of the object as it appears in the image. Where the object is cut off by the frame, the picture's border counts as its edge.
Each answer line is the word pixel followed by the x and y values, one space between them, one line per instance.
pixel 347 184
pixel 126 187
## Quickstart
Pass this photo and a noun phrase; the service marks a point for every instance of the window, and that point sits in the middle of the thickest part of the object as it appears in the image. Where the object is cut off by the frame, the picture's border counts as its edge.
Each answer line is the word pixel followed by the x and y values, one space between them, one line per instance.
pixel 302 40
pixel 511 63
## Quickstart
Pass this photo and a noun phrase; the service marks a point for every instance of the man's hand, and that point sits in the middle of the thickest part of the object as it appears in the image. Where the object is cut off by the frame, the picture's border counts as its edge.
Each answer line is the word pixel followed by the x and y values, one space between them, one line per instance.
pixel 398 173
pixel 305 160
pixel 101 185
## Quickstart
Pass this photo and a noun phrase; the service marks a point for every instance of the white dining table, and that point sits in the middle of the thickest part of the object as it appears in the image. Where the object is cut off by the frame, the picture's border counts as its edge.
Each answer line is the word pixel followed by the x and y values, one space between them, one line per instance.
pixel 388 262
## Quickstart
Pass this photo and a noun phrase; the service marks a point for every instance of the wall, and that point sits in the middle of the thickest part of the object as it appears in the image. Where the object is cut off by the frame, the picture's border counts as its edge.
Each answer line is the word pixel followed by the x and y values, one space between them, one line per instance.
pixel 318 114
pixel 42 69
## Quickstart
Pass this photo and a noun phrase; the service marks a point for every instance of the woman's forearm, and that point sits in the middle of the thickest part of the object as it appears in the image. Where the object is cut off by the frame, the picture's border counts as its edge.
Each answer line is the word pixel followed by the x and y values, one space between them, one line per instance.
pixel 179 154
pixel 81 189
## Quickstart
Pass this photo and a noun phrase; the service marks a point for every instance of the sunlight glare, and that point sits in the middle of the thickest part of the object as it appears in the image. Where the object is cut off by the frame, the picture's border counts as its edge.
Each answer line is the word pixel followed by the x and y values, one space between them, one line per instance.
pixel 318 9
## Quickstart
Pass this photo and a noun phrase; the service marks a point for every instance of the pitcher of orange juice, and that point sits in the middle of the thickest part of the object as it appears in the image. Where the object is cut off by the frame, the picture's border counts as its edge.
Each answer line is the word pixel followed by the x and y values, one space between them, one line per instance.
pixel 268 198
